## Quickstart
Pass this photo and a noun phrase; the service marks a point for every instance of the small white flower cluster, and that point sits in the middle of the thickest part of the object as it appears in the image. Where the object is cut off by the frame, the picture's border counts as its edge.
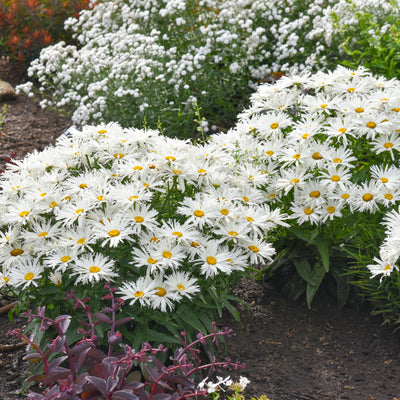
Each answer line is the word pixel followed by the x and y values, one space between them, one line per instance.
pixel 329 144
pixel 223 384
pixel 138 59
pixel 152 214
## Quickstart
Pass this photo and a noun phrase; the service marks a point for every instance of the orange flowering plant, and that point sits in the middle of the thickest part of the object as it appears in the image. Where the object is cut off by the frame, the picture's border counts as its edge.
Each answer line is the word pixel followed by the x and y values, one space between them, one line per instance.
pixel 26 26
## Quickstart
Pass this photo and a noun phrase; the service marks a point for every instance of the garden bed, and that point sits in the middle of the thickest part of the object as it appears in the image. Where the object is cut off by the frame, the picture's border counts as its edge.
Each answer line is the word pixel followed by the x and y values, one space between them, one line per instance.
pixel 291 352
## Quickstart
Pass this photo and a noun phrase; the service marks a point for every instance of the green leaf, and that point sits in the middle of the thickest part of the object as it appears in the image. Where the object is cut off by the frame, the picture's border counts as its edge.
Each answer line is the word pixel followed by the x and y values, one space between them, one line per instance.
pixel 303 268
pixel 191 319
pixel 214 296
pixel 323 247
pixel 318 274
pixel 305 234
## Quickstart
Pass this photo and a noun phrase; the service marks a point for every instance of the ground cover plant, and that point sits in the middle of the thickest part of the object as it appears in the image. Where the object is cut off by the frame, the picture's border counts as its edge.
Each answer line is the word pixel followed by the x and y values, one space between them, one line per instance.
pixel 26 26
pixel 172 224
pixel 82 370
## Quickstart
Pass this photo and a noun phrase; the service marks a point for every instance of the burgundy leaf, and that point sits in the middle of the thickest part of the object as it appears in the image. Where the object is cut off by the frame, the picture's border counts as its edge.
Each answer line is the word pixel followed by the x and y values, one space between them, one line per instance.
pixel 124 395
pixel 134 385
pixel 182 380
pixel 32 356
pixel 98 383
pixel 64 321
pixel 55 363
pixel 103 318
pixel 110 363
pixel 111 384
pixel 161 396
pixel 152 372
pixel 79 358
pixel 123 321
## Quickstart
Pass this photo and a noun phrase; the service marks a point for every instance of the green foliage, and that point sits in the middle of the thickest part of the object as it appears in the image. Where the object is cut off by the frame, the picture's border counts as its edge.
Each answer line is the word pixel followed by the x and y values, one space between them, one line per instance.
pixel 373 42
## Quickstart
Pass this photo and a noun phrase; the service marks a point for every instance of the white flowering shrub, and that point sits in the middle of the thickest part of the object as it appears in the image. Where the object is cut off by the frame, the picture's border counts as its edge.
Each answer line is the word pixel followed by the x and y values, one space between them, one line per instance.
pixel 141 62
pixel 326 149
pixel 171 225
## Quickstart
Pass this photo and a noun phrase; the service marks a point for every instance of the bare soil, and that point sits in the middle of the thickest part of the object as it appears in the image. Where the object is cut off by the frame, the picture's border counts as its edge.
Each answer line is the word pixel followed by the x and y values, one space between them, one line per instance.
pixel 291 353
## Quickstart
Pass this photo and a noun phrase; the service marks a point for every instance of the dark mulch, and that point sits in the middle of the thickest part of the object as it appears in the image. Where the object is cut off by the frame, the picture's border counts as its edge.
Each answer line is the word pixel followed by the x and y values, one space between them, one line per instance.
pixel 291 353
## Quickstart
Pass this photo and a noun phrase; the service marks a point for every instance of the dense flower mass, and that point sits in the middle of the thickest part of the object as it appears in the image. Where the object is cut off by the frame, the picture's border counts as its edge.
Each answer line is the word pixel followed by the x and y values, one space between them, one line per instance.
pixel 150 213
pixel 141 62
pixel 325 146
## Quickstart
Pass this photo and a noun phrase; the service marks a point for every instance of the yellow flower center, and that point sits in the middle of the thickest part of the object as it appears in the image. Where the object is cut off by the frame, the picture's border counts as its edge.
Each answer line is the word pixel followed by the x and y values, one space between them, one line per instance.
pixel 337 160
pixel 367 197
pixel 119 155
pixel 330 209
pixel 249 219
pixel 94 269
pixel 305 135
pixel 65 259
pixel 359 110
pixel 67 198
pixel 202 171
pixel 342 130
pixel 79 210
pixel 138 294
pixel 6 279
pixel 198 213
pixel 274 125
pixel 371 125
pixel 297 156
pixel 388 145
pixel 134 197
pixel 335 178
pixel 294 181
pixel 16 252
pixel 23 214
pixel 315 194
pixel 180 287
pixel 160 291
pixel 43 234
pixel 152 260
pixel 100 198
pixel 345 196
pixel 167 254
pixel 324 105
pixel 43 194
pixel 224 211
pixel 269 153
pixel 81 241
pixel 396 109
pixel 388 196
pixel 308 211
pixel 351 90
pixel 254 249
pixel 53 204
pixel 246 199
pixel 101 131
pixel 139 219
pixel 176 171
pixel 154 239
pixel 138 168
pixel 233 233
pixel 114 232
pixel 211 260
pixel 384 180
pixel 29 276
pixel 170 158
pixel 178 234
pixel 317 156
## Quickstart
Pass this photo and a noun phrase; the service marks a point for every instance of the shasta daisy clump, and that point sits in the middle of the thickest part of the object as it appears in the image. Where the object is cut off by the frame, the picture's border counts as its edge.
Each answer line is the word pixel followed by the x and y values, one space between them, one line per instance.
pixel 163 219
pixel 330 145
